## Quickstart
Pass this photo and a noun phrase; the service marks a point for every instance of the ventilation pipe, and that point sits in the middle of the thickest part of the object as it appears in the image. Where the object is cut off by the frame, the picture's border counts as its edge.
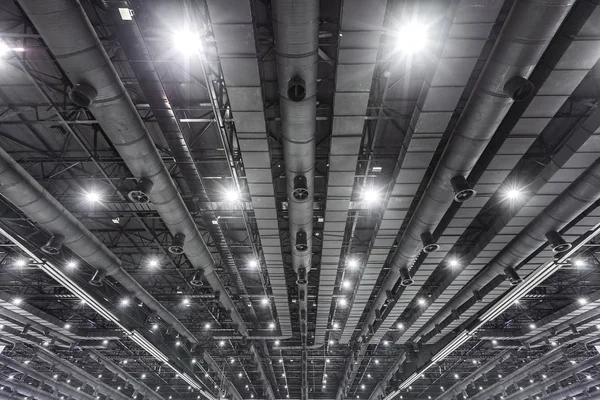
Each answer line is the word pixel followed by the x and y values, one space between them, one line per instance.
pixel 46 380
pixel 531 368
pixel 78 374
pixel 98 85
pixel 578 196
pixel 296 26
pixel 525 35
pixel 461 386
pixel 115 369
pixel 25 389
pixel 25 193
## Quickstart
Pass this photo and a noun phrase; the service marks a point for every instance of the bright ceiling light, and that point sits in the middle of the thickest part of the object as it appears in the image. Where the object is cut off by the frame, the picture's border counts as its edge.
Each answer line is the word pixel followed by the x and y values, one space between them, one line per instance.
pixel 353 263
pixel 342 302
pixel 346 284
pixel 67 326
pixel 253 263
pixel 370 196
pixel 221 343
pixel 456 376
pixel 400 325
pixel 531 326
pixel 92 196
pixel 336 325
pixel 453 263
pixel 513 194
pixel 579 262
pixel 207 325
pixel 17 301
pixel 187 42
pixel 411 37
pixel 153 262
pixel 421 301
pixel 154 327
pixel 71 264
pixel 20 262
pixel 232 195
pixel 271 325
pixel 582 301
pixel 125 302
pixel 277 342
pixel 264 301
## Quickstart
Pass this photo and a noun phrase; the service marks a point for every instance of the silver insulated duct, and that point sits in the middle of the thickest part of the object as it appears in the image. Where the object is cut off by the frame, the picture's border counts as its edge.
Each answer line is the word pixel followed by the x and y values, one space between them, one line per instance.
pixel 18 187
pixel 529 28
pixel 296 24
pixel 70 36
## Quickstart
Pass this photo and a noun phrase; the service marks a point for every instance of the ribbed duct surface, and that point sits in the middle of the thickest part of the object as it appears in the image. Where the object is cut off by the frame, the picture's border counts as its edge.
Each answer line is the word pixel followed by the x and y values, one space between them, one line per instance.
pixel 86 63
pixel 360 28
pixel 139 387
pixel 61 387
pixel 525 35
pixel 572 202
pixel 565 65
pixel 448 78
pixel 461 386
pixel 27 390
pixel 231 19
pixel 296 25
pixel 24 192
pixel 530 368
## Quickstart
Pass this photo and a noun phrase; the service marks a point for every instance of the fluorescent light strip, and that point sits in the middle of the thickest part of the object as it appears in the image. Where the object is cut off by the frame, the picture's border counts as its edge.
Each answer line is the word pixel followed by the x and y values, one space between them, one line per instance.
pixel 74 288
pixel 534 279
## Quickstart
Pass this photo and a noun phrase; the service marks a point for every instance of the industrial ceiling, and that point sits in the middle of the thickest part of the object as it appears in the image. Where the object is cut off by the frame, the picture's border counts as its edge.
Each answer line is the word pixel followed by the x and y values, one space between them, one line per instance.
pixel 294 199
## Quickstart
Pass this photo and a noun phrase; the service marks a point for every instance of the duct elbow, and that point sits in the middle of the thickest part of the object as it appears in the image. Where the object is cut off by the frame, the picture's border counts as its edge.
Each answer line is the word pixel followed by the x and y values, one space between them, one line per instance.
pixel 512 276
pixel 296 89
pixel 405 278
pixel 54 244
pixel 557 242
pixel 301 241
pixel 83 94
pixel 429 244
pixel 197 279
pixel 98 278
pixel 519 88
pixel 176 246
pixel 462 190
pixel 141 193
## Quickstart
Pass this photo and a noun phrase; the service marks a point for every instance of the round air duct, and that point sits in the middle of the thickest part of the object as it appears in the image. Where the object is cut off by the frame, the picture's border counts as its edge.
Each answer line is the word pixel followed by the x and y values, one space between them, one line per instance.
pixel 296 89
pixel 519 88
pixel 98 278
pixel 301 241
pixel 559 245
pixel 512 276
pixel 429 244
pixel 462 190
pixel 176 246
pixel 83 94
pixel 141 193
pixel 300 188
pixel 54 244
pixel 197 279
pixel 405 278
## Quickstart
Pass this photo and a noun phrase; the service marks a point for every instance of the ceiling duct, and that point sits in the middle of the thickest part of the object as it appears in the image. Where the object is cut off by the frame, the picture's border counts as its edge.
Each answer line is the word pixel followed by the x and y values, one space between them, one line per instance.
pixel 25 193
pixel 528 30
pixel 140 387
pixel 568 205
pixel 86 62
pixel 530 368
pixel 296 25
pixel 79 374
pixel 486 368
pixel 61 387
pixel 25 389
